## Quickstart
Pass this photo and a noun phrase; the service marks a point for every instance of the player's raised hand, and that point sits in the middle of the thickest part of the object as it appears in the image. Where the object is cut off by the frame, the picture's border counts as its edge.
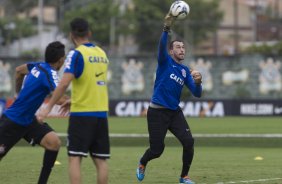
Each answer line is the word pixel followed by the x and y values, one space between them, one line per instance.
pixel 197 76
pixel 168 20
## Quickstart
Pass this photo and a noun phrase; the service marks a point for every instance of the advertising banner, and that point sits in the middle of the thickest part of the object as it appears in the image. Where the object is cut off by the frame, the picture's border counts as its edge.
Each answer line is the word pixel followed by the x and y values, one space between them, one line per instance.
pixel 258 108
pixel 191 108
pixel 203 108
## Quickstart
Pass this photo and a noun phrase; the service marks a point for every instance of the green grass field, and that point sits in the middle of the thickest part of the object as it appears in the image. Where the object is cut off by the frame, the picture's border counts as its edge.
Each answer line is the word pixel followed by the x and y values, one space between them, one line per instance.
pixel 215 163
pixel 232 125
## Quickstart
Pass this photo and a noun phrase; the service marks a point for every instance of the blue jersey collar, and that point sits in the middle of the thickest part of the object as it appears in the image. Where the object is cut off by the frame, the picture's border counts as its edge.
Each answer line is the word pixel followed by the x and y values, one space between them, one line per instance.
pixel 89 44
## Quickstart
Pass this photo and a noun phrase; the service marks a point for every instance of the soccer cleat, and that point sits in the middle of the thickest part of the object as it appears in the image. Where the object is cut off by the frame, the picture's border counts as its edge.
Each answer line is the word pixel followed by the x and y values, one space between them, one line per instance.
pixel 185 180
pixel 140 172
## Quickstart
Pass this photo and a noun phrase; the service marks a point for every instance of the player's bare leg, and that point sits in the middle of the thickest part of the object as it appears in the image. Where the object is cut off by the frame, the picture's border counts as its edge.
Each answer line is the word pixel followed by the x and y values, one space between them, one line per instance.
pixel 102 170
pixel 51 141
pixel 75 169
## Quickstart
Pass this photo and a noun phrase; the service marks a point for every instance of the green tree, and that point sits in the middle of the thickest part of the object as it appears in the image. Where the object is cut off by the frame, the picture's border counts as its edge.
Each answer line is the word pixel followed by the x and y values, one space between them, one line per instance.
pixel 16 6
pixel 203 19
pixel 15 28
pixel 11 26
pixel 265 48
pixel 98 14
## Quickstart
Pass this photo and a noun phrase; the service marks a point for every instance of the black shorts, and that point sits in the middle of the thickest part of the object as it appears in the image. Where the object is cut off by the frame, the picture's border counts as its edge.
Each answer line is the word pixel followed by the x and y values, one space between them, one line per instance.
pixel 161 120
pixel 88 134
pixel 11 133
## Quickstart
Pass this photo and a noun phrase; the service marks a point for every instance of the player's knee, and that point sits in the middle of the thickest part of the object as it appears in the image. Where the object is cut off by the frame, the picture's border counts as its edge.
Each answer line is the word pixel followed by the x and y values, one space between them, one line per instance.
pixel 51 142
pixel 158 151
pixel 188 143
pixel 56 143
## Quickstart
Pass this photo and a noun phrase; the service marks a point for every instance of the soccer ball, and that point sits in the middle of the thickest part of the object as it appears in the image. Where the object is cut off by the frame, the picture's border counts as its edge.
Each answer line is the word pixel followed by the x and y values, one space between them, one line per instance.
pixel 179 9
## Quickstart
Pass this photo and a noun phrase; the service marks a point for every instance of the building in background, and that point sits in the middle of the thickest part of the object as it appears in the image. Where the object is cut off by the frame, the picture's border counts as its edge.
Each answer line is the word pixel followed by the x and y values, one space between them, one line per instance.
pixel 245 22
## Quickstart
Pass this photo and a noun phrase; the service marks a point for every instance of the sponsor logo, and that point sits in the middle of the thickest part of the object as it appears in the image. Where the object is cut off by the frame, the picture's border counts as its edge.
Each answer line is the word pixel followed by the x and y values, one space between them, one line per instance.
pixel 195 109
pixel 101 83
pixel 35 72
pixel 256 109
pixel 68 60
pixel 98 59
pixel 183 73
pixel 177 79
pixel 131 108
pixel 278 110
pixel 98 74
pixel 55 77
pixel 31 142
pixel 203 109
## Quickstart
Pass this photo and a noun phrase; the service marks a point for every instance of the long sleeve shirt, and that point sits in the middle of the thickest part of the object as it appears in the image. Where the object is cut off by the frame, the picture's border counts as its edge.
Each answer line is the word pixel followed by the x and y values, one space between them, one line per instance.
pixel 170 79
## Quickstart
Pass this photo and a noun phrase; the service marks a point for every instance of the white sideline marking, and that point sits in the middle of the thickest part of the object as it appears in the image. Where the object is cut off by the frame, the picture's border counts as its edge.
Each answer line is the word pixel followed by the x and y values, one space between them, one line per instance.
pixel 196 135
pixel 250 181
pixel 240 135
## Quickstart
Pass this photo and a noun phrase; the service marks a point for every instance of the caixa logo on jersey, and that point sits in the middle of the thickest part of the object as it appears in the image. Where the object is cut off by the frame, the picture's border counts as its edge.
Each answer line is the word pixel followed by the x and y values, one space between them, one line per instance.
pixel 195 109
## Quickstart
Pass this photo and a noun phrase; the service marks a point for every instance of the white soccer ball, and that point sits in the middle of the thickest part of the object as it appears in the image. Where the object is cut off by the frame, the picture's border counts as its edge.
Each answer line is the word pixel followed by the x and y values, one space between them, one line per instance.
pixel 179 9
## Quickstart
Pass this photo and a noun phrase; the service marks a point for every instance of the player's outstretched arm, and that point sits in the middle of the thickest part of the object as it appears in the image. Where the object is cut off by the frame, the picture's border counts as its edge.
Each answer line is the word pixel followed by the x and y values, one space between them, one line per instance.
pixel 62 100
pixel 168 21
pixel 57 94
pixel 65 107
pixel 162 52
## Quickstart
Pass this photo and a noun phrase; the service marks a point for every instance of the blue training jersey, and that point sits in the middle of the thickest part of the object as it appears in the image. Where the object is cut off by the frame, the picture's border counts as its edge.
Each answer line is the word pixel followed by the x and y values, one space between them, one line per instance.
pixel 170 79
pixel 74 64
pixel 38 83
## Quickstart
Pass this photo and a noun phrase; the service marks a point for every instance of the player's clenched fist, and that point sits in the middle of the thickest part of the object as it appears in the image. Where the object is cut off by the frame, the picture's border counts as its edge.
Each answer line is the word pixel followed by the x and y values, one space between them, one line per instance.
pixel 197 76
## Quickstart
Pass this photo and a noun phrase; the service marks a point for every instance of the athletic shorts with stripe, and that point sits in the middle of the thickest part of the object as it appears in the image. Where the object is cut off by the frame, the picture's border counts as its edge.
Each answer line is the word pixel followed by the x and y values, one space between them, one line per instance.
pixel 88 134
pixel 11 133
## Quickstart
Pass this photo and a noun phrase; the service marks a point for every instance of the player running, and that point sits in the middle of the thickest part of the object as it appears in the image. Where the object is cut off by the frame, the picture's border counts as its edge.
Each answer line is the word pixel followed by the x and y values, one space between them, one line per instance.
pixel 34 81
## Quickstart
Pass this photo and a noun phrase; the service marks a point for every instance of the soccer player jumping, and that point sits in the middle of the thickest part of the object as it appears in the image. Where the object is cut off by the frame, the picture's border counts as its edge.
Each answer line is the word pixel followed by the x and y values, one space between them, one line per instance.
pixel 164 112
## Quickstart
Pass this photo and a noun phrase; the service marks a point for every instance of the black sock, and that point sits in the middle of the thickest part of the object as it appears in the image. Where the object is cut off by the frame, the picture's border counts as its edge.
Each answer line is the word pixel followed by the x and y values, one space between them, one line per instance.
pixel 187 158
pixel 48 163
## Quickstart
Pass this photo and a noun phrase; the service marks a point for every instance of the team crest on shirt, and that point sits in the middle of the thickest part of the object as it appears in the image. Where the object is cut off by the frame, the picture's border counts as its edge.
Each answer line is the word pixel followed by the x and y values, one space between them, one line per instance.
pixel 183 73
pixel 2 149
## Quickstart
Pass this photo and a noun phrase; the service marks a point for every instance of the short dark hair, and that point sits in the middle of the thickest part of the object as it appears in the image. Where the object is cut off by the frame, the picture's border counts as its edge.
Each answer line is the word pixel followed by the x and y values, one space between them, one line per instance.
pixel 54 51
pixel 172 42
pixel 79 27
